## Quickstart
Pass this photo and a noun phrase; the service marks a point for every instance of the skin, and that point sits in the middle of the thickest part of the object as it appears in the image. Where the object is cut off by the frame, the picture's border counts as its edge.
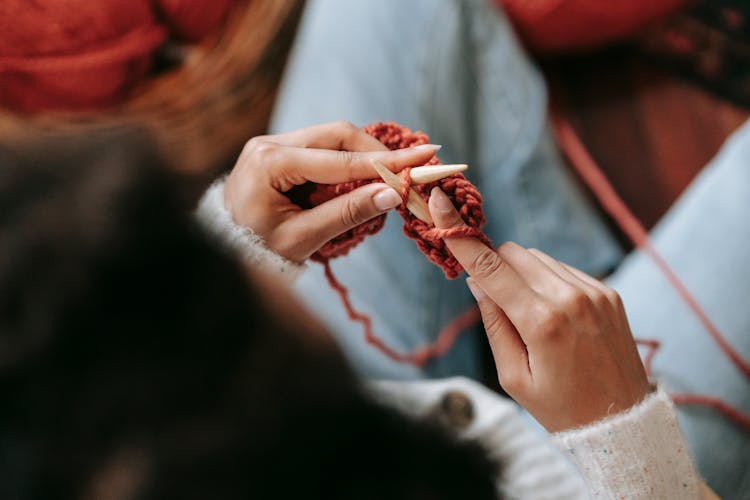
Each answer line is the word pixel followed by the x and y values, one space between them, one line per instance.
pixel 560 339
pixel 331 153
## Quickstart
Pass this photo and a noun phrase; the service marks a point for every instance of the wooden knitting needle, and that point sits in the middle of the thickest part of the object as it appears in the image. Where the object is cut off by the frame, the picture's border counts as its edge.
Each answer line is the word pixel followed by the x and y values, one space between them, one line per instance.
pixel 414 203
pixel 431 173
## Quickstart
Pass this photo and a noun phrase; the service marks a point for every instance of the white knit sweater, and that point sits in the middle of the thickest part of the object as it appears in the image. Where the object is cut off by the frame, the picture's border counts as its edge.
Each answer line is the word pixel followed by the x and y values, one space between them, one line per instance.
pixel 638 454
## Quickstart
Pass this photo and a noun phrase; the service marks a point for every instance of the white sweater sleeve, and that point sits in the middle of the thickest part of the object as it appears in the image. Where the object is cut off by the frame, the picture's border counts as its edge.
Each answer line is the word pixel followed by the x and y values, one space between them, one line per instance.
pixel 637 454
pixel 530 466
pixel 217 221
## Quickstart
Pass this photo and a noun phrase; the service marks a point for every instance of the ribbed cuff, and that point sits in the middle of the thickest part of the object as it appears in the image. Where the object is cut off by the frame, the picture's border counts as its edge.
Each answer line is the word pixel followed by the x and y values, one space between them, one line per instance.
pixel 636 454
pixel 216 219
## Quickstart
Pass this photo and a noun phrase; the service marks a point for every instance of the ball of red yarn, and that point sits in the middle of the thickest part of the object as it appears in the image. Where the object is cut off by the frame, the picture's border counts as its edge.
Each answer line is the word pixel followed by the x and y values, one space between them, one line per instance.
pixel 82 54
pixel 551 26
pixel 465 197
pixel 191 20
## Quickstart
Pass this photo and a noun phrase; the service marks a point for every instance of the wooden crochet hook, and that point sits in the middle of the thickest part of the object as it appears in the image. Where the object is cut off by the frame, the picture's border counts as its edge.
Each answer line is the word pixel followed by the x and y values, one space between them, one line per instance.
pixel 414 202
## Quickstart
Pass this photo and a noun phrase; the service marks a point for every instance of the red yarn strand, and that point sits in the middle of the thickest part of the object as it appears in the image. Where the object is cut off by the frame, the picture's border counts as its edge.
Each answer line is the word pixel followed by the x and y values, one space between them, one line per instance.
pixel 420 356
pixel 429 239
pixel 730 412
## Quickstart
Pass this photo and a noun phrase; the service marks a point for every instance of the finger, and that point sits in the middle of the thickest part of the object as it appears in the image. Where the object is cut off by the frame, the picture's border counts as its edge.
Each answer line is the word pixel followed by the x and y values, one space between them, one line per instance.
pixel 611 295
pixel 318 225
pixel 597 291
pixel 291 166
pixel 508 349
pixel 534 271
pixel 494 275
pixel 588 285
pixel 585 277
pixel 340 135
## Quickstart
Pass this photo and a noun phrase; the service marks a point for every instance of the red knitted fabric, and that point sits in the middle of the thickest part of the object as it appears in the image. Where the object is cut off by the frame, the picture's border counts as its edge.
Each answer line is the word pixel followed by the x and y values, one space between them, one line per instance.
pixel 83 54
pixel 429 239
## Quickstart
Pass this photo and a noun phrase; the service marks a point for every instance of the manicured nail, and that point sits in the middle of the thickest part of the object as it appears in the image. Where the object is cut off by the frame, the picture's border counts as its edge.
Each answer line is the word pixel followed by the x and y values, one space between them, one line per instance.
pixel 441 201
pixel 475 290
pixel 431 147
pixel 386 199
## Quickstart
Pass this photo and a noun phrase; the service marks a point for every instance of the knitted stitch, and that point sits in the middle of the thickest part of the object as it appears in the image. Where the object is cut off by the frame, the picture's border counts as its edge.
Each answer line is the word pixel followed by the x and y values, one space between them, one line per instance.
pixel 429 239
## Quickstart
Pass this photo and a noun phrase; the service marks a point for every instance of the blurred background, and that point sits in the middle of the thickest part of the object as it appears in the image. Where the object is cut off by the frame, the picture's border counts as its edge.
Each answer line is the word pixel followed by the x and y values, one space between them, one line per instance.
pixel 653 87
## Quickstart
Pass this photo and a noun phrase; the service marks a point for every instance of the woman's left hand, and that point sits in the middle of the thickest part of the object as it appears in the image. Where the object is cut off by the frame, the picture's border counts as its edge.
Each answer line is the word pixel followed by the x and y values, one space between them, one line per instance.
pixel 271 165
pixel 561 340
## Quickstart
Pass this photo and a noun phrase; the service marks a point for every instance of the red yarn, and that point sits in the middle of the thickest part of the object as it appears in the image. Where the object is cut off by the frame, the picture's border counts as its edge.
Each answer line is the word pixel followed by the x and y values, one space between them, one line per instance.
pixel 429 239
pixel 191 20
pixel 553 26
pixel 83 54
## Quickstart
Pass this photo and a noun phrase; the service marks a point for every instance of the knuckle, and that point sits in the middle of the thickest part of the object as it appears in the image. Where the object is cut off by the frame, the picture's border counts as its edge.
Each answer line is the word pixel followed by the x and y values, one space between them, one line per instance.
pixel 253 143
pixel 510 380
pixel 507 247
pixel 264 151
pixel 352 213
pixel 576 302
pixel 346 160
pixel 613 297
pixel 601 300
pixel 550 322
pixel 344 126
pixel 487 264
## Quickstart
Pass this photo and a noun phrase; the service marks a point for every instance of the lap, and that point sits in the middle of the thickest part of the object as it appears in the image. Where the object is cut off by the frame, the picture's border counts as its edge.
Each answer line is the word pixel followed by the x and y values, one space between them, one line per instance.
pixel 705 238
pixel 455 70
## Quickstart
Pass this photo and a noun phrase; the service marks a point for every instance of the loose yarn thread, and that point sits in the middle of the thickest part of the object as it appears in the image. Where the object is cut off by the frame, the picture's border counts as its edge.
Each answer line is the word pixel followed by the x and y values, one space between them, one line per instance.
pixel 467 200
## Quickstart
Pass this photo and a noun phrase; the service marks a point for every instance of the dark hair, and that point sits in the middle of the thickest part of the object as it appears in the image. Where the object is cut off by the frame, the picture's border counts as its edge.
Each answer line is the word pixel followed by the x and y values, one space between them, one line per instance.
pixel 133 352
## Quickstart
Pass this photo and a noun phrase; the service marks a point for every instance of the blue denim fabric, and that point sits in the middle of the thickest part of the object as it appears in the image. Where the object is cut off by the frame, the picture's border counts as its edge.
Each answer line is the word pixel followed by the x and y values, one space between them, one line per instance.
pixel 453 69
pixel 705 237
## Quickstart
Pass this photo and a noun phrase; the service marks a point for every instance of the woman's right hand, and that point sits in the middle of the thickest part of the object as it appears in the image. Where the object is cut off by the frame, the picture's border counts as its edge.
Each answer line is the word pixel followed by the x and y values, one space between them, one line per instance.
pixel 561 341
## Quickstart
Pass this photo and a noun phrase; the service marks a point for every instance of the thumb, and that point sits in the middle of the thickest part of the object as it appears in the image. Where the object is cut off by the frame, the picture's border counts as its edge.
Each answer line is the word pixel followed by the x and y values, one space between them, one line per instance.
pixel 443 213
pixel 324 222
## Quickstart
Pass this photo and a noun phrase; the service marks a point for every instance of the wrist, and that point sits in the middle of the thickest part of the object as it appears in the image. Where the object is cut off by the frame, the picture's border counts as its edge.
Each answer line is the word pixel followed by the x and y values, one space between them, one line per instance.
pixel 214 217
pixel 639 453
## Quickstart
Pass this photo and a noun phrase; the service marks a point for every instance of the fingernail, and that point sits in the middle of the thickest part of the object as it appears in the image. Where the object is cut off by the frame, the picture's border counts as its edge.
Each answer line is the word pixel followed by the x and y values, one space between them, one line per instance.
pixel 441 201
pixel 386 199
pixel 475 290
pixel 431 147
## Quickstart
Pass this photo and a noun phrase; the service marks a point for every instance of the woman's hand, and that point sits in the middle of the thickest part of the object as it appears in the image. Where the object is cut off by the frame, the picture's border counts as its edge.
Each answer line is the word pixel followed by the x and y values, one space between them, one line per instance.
pixel 560 339
pixel 271 165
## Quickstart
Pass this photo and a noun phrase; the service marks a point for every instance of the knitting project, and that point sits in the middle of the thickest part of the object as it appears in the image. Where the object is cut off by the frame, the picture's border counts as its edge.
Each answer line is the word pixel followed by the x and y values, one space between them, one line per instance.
pixel 429 239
